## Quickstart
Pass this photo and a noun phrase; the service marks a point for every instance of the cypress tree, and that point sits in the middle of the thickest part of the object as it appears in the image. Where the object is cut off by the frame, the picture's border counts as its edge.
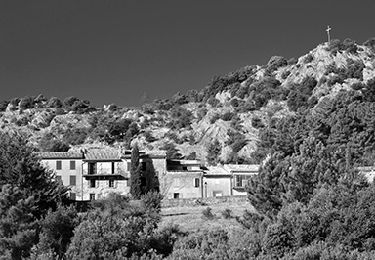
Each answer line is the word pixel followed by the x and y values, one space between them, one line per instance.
pixel 135 174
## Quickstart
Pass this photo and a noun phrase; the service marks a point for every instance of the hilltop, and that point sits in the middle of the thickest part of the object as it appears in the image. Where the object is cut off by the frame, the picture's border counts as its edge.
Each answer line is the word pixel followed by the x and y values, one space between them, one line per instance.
pixel 225 118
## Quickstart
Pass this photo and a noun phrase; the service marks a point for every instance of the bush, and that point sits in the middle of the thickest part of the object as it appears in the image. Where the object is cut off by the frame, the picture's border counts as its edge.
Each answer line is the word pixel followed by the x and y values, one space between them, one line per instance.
pixel 207 213
pixel 149 137
pixel 292 61
pixel 212 101
pixel 191 156
pixel 274 63
pixel 309 58
pixel 227 213
pixel 285 74
pixel 26 102
pixel 3 105
pixel 214 118
pixel 370 43
pixel 201 113
pixel 54 102
pixel 181 118
pixel 227 116
pixel 256 122
pixel 152 201
pixel 349 45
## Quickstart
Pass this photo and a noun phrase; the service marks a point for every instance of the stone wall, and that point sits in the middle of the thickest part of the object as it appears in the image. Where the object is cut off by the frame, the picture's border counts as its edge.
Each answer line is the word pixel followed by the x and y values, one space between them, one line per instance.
pixel 167 203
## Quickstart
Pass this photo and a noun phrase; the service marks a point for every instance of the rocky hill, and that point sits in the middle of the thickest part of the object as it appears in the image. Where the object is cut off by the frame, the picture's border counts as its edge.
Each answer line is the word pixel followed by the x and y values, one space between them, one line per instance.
pixel 224 119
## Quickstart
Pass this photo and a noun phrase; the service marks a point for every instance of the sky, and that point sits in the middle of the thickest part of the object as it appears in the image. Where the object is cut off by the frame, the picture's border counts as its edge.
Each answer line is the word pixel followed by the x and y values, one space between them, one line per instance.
pixel 128 52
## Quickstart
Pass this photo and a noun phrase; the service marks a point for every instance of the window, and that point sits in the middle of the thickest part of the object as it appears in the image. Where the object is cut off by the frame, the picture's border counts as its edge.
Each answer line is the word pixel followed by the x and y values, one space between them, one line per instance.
pixel 92 183
pixel 92 196
pixel 113 168
pixel 72 165
pixel 72 180
pixel 176 195
pixel 58 165
pixel 241 180
pixel 92 168
pixel 196 182
pixel 58 178
pixel 238 179
pixel 111 183
pixel 72 196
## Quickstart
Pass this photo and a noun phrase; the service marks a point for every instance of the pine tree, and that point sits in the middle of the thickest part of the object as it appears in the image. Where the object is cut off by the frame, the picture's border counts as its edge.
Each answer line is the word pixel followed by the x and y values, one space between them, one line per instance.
pixel 135 174
pixel 28 191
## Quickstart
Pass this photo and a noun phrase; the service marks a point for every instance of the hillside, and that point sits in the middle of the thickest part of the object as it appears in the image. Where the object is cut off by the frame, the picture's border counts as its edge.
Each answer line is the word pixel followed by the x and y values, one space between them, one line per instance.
pixel 233 109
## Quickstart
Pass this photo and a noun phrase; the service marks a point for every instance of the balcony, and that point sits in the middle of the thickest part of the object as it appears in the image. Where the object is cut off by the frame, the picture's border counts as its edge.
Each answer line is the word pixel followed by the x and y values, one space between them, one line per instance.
pixel 105 174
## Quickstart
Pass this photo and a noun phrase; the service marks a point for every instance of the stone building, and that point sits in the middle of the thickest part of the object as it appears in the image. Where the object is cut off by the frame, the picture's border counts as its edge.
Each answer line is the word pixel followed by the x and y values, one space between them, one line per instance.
pixel 183 179
pixel 67 167
pixel 227 179
pixel 95 173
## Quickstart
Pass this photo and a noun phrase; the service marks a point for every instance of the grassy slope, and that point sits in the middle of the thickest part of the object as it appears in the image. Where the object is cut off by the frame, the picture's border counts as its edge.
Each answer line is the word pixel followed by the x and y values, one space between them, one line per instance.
pixel 190 218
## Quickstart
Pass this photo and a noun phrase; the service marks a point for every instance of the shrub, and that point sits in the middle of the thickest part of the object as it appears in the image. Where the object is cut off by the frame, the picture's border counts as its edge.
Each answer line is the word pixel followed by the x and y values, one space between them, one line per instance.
pixel 191 156
pixel 357 86
pixel 274 63
pixel 227 116
pixel 285 74
pixel 214 118
pixel 14 102
pixel 75 136
pixel 26 102
pixel 207 213
pixel 149 137
pixel 227 213
pixel 212 101
pixel 54 102
pixel 334 46
pixel 181 118
pixel 171 151
pixel 4 104
pixel 370 43
pixel 201 113
pixel 349 45
pixel 292 61
pixel 152 201
pixel 256 122
pixel 309 58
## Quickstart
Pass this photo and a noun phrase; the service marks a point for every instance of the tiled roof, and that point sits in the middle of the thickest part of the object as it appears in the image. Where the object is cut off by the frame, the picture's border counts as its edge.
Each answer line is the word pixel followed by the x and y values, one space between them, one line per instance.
pixel 103 155
pixel 60 155
pixel 242 167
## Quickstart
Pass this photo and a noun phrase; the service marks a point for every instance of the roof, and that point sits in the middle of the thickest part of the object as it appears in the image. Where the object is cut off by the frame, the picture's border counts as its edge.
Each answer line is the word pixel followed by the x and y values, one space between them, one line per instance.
pixel 103 155
pixel 217 171
pixel 242 167
pixel 151 154
pixel 60 155
pixel 184 162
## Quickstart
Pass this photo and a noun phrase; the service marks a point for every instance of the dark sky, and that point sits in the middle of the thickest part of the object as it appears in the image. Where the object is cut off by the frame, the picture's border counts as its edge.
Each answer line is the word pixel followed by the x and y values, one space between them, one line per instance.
pixel 113 51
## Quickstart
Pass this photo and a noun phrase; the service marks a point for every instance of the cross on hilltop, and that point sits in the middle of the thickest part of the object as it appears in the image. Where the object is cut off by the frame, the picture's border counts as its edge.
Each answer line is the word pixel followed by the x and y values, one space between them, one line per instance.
pixel 328 34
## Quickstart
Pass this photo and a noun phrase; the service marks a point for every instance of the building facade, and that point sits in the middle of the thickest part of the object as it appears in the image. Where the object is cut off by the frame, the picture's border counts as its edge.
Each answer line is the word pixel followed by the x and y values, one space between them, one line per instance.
pixel 183 179
pixel 95 173
pixel 67 167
